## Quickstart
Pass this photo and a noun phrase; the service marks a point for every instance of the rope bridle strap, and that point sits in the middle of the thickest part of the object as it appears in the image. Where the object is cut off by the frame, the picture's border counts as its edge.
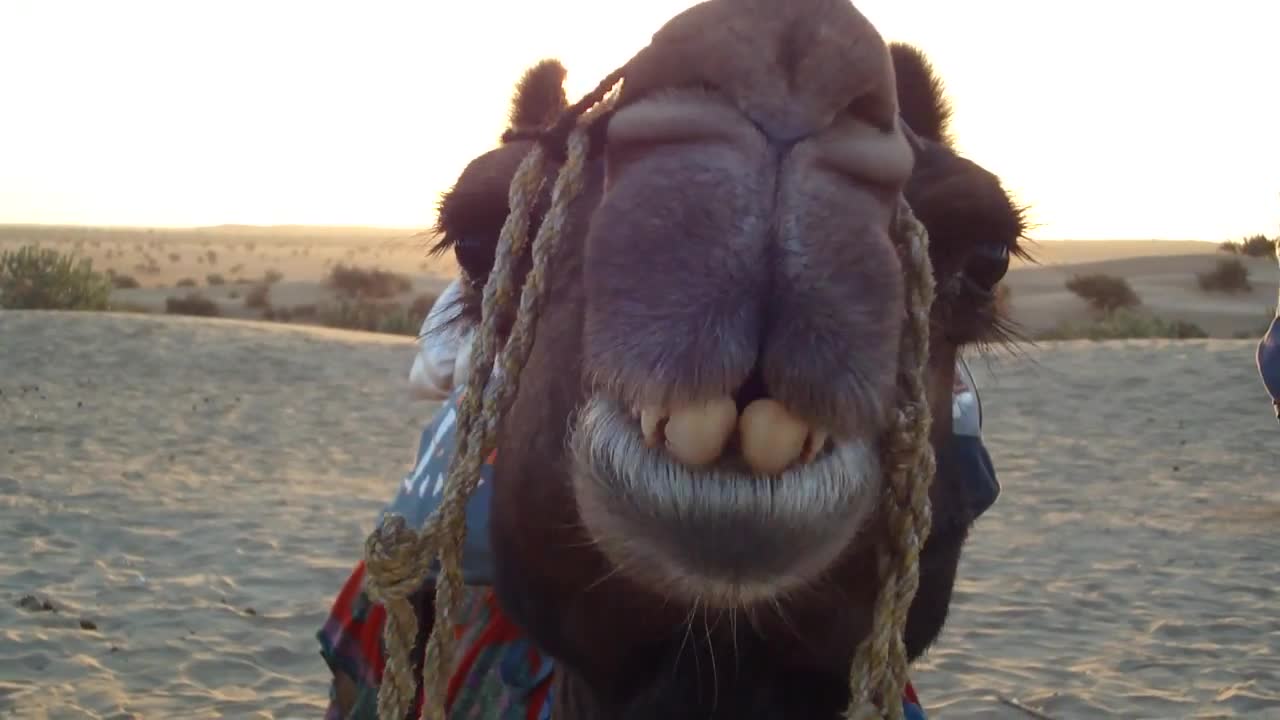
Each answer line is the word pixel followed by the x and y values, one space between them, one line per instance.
pixel 399 559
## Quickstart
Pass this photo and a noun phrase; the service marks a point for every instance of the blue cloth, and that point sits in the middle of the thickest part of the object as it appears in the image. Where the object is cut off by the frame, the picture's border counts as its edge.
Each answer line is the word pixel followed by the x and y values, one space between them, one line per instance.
pixel 912 711
pixel 422 490
pixel 964 458
pixel 1269 361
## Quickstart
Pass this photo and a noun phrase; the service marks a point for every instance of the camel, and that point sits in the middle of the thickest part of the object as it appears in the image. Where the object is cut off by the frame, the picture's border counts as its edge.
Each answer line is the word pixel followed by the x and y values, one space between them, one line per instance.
pixel 690 469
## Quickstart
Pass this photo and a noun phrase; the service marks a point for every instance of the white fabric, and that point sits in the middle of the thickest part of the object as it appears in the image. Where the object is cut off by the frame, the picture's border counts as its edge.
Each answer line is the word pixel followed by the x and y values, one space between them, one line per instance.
pixel 444 354
pixel 966 405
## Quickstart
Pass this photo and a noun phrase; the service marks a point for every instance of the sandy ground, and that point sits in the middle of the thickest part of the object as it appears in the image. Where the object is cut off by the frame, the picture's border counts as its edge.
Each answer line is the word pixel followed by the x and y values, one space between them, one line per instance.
pixel 193 492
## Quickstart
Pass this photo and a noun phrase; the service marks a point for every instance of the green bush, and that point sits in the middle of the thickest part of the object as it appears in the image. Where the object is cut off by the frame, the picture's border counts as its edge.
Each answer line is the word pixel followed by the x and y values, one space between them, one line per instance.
pixel 32 278
pixel 1230 276
pixel 1126 325
pixel 1106 293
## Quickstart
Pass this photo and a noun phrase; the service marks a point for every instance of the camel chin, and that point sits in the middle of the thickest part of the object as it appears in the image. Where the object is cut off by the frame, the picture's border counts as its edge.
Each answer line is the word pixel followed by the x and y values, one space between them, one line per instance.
pixel 729 528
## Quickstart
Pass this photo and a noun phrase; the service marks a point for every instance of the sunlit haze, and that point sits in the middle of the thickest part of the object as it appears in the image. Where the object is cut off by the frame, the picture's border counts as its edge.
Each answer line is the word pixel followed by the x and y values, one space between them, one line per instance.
pixel 1134 119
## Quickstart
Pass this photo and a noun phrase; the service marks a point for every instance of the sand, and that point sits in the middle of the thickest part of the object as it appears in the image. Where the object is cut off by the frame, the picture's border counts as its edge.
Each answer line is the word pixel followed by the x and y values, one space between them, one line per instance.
pixel 196 491
pixel 1130 567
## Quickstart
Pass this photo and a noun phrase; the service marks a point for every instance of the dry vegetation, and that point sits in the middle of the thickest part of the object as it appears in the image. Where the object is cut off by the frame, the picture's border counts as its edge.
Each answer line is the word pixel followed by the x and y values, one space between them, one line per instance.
pixel 192 304
pixel 52 267
pixel 338 277
pixel 1104 293
pixel 32 278
pixel 1230 276
pixel 1126 324
pixel 258 297
pixel 367 283
pixel 1256 246
pixel 1117 314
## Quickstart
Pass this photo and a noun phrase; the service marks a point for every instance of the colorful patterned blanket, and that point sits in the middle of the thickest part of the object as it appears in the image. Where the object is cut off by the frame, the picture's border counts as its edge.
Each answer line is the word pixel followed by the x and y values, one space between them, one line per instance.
pixel 500 676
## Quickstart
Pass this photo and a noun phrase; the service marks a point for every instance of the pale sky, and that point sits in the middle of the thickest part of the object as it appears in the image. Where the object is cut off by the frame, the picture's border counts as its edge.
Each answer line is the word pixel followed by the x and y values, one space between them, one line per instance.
pixel 1126 119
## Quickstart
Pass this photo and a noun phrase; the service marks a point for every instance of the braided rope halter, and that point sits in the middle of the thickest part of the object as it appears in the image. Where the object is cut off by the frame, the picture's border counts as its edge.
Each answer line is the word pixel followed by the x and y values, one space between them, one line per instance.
pixel 399 559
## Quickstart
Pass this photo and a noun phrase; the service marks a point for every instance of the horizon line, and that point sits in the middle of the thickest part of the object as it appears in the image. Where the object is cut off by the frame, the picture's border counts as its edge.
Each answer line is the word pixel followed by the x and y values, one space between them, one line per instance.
pixel 429 230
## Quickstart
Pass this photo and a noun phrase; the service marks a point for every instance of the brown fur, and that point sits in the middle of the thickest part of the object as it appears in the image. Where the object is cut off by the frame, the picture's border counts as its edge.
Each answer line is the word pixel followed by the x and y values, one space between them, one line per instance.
pixel 706 264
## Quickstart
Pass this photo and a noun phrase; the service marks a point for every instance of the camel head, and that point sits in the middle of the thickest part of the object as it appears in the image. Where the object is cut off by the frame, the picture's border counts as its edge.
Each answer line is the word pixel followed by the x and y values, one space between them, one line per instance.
pixel 694 447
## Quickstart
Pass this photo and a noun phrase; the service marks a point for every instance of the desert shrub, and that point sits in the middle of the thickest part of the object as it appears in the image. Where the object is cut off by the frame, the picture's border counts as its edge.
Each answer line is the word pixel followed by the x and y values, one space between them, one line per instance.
pixel 373 317
pixel 32 278
pixel 212 256
pixel 235 269
pixel 258 297
pixel 124 282
pixel 1126 325
pixel 1255 246
pixel 234 294
pixel 214 279
pixel 1106 293
pixel 1230 276
pixel 186 282
pixel 367 284
pixel 273 276
pixel 175 257
pixel 192 304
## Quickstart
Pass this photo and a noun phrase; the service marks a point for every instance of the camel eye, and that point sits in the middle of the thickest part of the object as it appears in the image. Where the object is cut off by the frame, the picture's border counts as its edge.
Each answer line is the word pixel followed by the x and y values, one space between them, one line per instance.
pixel 988 265
pixel 475 253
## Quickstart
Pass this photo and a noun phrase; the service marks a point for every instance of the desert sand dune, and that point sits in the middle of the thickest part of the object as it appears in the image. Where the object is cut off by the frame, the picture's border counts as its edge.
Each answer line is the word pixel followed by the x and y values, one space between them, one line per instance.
pixel 196 490
pixel 1047 253
pixel 1166 285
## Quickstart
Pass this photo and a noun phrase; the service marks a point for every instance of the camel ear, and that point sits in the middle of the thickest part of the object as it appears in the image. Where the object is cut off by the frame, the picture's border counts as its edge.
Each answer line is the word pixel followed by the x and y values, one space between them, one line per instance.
pixel 539 97
pixel 921 96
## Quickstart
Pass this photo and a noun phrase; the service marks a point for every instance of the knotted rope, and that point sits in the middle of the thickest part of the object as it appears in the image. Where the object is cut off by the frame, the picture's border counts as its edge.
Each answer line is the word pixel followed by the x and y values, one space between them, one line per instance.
pixel 399 559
